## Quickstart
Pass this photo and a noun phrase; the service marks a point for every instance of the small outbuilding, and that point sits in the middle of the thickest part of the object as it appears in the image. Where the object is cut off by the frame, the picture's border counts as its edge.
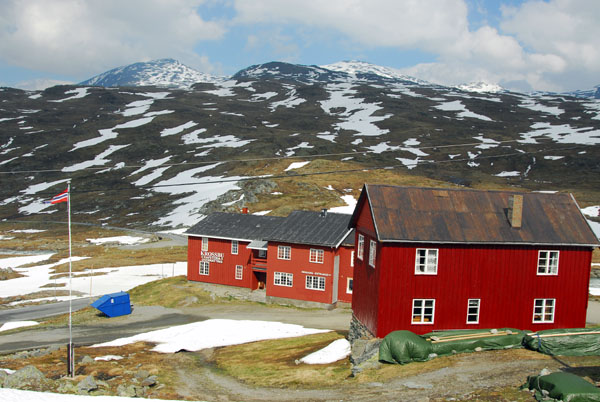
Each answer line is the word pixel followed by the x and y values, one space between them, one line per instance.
pixel 439 259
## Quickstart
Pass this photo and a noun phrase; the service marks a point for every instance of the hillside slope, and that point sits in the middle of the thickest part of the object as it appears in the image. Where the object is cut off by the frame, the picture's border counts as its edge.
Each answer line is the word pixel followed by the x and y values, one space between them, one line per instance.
pixel 144 156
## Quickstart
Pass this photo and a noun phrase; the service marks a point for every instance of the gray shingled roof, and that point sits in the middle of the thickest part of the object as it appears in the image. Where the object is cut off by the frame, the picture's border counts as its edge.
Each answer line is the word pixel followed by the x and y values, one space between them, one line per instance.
pixel 313 228
pixel 236 226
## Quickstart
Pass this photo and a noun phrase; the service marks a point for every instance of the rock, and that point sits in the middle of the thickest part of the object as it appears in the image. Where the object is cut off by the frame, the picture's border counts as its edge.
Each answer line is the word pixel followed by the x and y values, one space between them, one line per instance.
pixel 87 360
pixel 3 375
pixel 87 384
pixel 478 349
pixel 494 331
pixel 545 371
pixel 142 374
pixel 150 381
pixel 127 391
pixel 363 350
pixel 29 378
pixel 67 387
pixel 432 356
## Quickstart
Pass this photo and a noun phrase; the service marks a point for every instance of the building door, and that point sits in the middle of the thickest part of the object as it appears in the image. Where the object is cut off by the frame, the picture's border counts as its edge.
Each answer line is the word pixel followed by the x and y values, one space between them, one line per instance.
pixel 261 279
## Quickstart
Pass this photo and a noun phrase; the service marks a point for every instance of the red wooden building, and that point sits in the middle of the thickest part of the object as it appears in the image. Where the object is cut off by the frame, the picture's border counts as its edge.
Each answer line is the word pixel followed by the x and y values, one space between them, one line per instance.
pixel 433 259
pixel 304 258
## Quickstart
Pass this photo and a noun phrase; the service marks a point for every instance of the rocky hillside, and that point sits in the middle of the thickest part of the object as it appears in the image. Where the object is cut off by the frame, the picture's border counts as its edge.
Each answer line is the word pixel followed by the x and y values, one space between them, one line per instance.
pixel 143 156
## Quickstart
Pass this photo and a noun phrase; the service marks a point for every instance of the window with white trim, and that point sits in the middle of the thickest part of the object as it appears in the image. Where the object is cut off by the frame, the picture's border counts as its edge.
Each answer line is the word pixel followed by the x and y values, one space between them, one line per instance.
pixel 349 284
pixel 361 246
pixel 315 282
pixel 234 247
pixel 426 261
pixel 284 253
pixel 283 279
pixel 352 258
pixel 423 311
pixel 547 262
pixel 372 252
pixel 473 311
pixel 204 268
pixel 205 244
pixel 543 310
pixel 239 272
pixel 316 255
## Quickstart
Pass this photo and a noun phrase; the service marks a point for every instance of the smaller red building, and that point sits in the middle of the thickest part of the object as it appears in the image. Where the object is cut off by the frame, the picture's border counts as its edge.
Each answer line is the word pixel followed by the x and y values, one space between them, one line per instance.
pixel 437 259
pixel 305 257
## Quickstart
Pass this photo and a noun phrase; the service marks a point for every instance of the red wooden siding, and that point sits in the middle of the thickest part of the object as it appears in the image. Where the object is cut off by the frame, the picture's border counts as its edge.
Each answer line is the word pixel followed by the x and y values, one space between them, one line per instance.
pixel 504 278
pixel 346 272
pixel 221 273
pixel 300 267
pixel 366 295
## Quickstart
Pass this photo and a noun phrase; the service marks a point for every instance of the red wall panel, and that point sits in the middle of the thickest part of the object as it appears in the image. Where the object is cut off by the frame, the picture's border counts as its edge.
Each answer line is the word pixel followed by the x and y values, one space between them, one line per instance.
pixel 503 277
pixel 366 296
pixel 221 273
pixel 300 267
pixel 346 272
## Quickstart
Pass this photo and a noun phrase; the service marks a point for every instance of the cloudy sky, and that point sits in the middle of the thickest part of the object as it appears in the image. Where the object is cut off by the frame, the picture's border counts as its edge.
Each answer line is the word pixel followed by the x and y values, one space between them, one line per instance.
pixel 522 45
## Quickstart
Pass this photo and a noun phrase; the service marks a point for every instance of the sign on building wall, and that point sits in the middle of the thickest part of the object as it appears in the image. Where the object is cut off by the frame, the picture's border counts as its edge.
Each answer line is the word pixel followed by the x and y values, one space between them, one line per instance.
pixel 211 256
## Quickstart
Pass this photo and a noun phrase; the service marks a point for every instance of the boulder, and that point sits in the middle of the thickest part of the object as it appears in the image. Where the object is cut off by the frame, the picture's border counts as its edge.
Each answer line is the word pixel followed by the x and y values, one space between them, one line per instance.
pixel 87 360
pixel 29 378
pixel 149 381
pixel 86 385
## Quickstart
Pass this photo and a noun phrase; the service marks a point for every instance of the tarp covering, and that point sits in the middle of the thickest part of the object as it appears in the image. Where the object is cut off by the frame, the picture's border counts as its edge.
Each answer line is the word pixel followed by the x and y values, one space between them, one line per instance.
pixel 405 346
pixel 565 342
pixel 450 342
pixel 565 387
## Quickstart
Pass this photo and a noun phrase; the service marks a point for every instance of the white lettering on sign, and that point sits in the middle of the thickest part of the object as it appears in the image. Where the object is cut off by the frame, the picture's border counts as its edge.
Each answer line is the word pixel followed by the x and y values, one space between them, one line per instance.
pixel 211 256
pixel 315 273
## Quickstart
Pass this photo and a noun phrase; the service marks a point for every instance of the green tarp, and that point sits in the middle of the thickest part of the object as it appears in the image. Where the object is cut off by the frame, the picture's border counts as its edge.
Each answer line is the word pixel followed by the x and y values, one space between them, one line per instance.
pixel 565 387
pixel 405 347
pixel 569 342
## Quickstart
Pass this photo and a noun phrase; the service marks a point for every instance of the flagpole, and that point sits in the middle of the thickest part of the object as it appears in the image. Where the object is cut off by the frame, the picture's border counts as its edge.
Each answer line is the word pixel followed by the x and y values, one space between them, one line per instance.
pixel 71 352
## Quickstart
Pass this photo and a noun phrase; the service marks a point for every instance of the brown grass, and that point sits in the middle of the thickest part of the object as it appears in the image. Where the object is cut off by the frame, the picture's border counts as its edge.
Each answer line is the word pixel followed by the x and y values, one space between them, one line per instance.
pixel 272 363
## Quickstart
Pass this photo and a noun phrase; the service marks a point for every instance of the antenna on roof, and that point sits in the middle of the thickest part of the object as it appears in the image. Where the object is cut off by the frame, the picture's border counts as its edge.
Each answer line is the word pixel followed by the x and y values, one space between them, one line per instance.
pixel 323 212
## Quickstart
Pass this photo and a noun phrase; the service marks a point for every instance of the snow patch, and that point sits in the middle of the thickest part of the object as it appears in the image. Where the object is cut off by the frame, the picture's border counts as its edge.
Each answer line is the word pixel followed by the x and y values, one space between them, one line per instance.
pixel 336 350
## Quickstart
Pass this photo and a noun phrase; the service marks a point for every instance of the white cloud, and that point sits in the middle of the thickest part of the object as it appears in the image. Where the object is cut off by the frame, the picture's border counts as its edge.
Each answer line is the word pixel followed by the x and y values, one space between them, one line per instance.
pixel 75 37
pixel 40 84
pixel 546 45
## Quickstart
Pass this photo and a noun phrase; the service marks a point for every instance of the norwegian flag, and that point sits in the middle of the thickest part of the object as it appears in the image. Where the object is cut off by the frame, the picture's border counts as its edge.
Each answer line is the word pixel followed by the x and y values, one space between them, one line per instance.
pixel 62 197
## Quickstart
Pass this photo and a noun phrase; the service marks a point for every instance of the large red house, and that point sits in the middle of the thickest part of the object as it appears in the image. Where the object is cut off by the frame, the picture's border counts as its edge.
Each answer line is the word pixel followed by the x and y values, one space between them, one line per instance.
pixel 304 258
pixel 435 259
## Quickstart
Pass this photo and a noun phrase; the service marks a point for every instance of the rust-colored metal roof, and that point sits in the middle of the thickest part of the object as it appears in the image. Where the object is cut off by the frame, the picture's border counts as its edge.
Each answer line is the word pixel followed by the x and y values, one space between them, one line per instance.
pixel 416 214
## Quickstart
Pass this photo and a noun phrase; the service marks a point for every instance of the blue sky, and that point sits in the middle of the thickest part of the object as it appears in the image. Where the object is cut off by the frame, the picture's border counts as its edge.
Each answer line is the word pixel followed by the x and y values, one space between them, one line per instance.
pixel 519 44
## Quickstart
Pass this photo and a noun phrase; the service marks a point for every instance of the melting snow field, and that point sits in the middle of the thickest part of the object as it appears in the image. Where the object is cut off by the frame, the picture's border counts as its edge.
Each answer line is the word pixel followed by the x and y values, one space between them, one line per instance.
pixel 336 350
pixel 215 333
pixel 105 280
pixel 120 239
pixel 457 106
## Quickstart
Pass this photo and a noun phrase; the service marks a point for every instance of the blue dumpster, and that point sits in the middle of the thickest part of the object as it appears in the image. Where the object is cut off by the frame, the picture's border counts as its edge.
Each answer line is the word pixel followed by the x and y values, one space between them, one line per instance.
pixel 114 304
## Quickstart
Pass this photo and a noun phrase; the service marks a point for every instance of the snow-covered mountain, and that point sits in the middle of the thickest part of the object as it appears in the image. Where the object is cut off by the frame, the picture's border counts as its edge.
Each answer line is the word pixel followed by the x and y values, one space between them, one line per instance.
pixel 166 73
pixel 167 156
pixel 481 87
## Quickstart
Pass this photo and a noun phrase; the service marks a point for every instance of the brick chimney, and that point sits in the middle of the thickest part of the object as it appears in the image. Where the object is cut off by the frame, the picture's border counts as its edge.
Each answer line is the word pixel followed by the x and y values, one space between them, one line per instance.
pixel 515 210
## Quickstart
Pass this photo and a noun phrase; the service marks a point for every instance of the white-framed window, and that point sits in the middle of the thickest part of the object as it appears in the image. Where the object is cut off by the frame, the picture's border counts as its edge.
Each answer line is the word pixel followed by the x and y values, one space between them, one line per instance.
pixel 372 253
pixel 262 253
pixel 423 311
pixel 205 244
pixel 316 255
pixel 315 282
pixel 547 262
pixel 283 279
pixel 543 310
pixel 426 261
pixel 234 247
pixel 473 311
pixel 284 253
pixel 361 247
pixel 239 272
pixel 204 268
pixel 349 284
pixel 352 258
